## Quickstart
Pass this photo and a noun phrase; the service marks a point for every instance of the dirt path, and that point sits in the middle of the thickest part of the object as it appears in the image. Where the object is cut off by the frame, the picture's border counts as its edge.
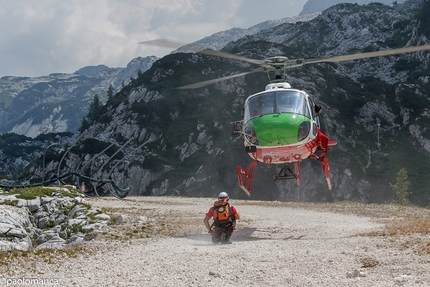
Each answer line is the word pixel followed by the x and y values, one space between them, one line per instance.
pixel 165 243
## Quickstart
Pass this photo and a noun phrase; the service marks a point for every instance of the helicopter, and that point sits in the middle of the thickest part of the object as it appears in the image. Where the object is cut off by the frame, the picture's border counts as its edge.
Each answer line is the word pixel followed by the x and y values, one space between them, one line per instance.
pixel 280 125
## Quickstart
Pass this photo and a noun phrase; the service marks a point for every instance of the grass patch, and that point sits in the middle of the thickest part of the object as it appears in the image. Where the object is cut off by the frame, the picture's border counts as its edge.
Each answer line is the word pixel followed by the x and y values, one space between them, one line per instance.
pixel 50 256
pixel 30 193
pixel 9 202
pixel 408 226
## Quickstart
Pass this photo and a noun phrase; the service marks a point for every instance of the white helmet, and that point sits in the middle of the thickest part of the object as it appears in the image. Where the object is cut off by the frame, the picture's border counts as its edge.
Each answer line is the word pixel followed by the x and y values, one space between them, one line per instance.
pixel 223 195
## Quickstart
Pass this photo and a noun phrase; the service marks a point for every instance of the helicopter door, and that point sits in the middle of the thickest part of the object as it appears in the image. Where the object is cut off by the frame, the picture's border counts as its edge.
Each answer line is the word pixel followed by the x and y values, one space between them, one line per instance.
pixel 314 117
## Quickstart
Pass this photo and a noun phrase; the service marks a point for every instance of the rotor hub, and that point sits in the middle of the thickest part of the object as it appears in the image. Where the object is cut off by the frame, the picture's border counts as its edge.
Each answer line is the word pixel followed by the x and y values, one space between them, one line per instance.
pixel 275 62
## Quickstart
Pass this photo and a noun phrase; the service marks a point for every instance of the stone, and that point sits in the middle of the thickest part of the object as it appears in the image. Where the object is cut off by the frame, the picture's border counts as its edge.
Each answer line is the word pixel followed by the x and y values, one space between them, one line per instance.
pixel 18 202
pixel 46 236
pixel 57 217
pixel 76 221
pixel 43 223
pixel 41 219
pixel 49 207
pixel 16 217
pixel 102 216
pixel 94 226
pixel 90 236
pixel 33 204
pixel 15 228
pixel 76 209
pixel 52 244
pixel 46 199
pixel 23 219
pixel 9 246
pixel 355 273
pixel 121 219
pixel 76 238
pixel 142 220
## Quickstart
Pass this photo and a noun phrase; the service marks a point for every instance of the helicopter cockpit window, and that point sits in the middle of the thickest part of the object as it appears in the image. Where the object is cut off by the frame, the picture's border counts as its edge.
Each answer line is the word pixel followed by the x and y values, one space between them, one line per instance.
pixel 260 105
pixel 276 102
pixel 292 102
pixel 312 105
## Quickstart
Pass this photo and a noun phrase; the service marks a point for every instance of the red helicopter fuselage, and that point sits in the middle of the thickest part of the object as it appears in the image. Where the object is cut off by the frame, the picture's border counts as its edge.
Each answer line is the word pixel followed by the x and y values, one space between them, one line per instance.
pixel 281 126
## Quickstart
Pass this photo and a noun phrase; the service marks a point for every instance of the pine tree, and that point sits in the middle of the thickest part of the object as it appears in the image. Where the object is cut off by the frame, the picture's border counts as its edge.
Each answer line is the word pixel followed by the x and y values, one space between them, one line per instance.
pixel 110 92
pixel 94 112
pixel 84 125
pixel 401 187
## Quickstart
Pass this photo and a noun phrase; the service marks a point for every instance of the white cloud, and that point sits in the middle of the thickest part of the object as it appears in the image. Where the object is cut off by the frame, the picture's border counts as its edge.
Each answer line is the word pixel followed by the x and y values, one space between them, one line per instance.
pixel 49 36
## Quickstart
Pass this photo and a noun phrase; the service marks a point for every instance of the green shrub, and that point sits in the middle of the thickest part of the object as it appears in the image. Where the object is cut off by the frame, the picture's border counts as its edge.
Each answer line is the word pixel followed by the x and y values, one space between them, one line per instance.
pixel 401 187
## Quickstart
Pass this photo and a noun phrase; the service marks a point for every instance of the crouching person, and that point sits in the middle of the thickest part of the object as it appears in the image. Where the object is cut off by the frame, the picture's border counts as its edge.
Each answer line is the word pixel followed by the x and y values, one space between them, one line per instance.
pixel 224 218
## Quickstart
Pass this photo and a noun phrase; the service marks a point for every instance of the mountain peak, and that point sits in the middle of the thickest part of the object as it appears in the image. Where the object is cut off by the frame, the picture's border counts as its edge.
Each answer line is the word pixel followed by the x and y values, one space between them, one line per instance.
pixel 90 71
pixel 313 6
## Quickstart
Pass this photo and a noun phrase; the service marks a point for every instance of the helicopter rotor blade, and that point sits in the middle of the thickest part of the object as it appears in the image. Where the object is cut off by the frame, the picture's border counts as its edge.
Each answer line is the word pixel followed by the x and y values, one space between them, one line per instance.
pixel 163 43
pixel 197 49
pixel 205 83
pixel 273 63
pixel 231 56
pixel 368 55
pixel 172 44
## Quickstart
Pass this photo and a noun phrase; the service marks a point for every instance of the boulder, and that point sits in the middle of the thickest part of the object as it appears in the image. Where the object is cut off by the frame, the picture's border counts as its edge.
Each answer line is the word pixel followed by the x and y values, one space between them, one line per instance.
pixel 121 219
pixel 21 220
pixel 46 236
pixel 102 216
pixel 52 244
pixel 15 228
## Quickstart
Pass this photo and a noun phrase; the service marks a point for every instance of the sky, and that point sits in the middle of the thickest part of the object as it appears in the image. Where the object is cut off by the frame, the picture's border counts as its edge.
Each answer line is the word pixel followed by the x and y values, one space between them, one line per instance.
pixel 40 37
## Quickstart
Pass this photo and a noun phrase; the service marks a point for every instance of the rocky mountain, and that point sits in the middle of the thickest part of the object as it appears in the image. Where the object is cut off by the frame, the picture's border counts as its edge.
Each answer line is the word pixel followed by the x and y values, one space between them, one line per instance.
pixel 219 40
pixel 58 102
pixel 315 6
pixel 162 140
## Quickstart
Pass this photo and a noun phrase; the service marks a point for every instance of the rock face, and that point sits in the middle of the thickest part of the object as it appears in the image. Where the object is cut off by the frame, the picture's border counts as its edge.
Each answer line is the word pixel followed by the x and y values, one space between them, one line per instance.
pixel 47 221
pixel 58 102
pixel 15 228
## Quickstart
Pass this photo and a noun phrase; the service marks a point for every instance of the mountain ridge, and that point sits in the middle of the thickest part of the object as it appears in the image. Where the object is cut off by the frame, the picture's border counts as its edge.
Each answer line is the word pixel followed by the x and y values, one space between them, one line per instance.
pixel 89 81
pixel 313 6
pixel 57 103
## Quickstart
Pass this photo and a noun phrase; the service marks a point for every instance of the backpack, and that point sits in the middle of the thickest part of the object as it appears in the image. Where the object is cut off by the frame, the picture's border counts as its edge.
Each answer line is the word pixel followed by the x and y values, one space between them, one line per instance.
pixel 222 213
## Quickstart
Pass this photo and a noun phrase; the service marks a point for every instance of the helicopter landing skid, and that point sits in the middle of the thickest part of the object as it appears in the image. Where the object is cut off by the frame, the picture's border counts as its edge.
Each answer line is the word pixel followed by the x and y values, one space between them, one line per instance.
pixel 245 177
pixel 326 169
pixel 287 173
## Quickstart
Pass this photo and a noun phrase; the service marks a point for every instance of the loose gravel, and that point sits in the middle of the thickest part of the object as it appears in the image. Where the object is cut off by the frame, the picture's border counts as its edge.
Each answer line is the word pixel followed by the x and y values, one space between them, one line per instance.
pixel 162 241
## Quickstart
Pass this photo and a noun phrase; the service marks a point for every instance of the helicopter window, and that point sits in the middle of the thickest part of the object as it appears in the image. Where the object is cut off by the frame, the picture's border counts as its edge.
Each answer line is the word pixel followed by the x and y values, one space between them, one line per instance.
pixel 312 105
pixel 276 102
pixel 286 101
pixel 291 102
pixel 260 105
pixel 269 103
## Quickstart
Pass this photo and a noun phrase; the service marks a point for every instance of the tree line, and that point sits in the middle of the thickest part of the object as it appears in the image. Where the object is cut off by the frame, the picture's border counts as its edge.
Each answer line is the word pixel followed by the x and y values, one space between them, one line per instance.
pixel 95 110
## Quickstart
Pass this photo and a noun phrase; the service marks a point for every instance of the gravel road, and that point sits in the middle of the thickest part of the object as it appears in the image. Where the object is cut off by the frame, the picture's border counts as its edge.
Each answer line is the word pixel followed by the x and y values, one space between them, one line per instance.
pixel 163 242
